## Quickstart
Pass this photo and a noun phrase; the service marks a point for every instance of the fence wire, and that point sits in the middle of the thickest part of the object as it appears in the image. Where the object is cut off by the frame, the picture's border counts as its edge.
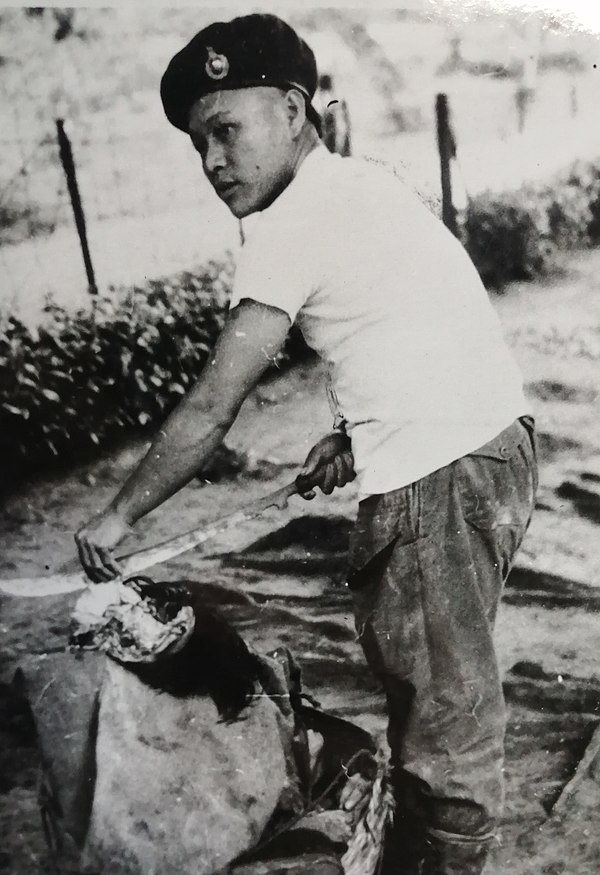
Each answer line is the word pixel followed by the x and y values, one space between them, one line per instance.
pixel 148 210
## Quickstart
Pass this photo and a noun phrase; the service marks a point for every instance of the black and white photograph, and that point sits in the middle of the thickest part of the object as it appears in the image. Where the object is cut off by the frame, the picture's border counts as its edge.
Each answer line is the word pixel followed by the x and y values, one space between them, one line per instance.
pixel 299 439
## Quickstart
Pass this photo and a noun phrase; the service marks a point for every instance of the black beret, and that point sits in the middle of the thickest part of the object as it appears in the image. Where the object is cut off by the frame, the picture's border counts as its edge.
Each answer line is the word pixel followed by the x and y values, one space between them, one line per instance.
pixel 247 52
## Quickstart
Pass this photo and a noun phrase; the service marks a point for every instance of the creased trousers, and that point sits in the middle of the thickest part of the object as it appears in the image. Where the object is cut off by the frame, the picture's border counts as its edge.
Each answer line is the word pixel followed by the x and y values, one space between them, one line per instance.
pixel 427 567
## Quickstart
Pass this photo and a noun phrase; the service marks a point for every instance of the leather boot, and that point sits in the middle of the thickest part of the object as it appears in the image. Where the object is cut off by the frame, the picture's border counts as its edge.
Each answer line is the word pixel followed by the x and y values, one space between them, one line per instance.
pixel 448 854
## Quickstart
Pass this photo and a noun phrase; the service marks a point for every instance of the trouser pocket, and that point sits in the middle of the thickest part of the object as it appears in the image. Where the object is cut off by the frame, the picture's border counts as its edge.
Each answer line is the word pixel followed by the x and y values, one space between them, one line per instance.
pixel 384 522
pixel 496 487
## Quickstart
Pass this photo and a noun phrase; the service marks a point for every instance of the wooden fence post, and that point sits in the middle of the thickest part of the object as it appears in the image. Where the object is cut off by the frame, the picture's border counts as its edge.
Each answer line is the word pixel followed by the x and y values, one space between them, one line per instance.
pixel 573 100
pixel 447 149
pixel 66 158
pixel 526 89
pixel 523 98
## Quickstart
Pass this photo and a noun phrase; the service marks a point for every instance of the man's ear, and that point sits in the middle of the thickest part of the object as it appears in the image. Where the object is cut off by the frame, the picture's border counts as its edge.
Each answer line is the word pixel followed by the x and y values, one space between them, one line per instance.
pixel 296 111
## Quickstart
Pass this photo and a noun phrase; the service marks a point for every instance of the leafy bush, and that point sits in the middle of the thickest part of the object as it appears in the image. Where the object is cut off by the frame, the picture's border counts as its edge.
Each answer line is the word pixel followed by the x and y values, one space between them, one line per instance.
pixel 586 177
pixel 89 375
pixel 519 235
pixel 508 236
pixel 19 221
pixel 569 61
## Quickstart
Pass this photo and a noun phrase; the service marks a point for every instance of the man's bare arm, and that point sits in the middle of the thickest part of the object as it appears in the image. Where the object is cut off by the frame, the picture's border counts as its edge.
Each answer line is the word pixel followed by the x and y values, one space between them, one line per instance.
pixel 253 335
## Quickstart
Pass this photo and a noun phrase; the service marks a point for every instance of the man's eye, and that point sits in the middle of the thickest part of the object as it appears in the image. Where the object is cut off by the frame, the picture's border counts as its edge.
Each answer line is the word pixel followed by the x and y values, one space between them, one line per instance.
pixel 224 131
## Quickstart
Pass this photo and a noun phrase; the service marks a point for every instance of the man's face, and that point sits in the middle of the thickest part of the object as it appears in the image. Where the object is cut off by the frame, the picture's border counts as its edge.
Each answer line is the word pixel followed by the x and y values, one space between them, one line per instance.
pixel 245 142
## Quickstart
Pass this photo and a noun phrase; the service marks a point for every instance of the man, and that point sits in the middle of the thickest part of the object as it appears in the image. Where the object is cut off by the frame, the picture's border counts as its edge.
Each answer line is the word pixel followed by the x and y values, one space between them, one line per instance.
pixel 436 422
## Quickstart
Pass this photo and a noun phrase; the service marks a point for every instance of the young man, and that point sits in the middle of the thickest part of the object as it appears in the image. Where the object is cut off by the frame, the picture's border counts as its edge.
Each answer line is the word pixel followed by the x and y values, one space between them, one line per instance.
pixel 436 421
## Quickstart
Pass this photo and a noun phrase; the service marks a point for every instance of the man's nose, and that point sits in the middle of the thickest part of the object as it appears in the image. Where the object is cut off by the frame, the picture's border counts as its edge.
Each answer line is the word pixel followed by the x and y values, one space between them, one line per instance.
pixel 214 158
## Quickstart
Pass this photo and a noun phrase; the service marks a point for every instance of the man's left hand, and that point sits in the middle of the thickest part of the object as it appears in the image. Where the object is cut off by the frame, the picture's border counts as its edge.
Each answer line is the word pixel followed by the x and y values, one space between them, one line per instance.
pixel 95 543
pixel 330 463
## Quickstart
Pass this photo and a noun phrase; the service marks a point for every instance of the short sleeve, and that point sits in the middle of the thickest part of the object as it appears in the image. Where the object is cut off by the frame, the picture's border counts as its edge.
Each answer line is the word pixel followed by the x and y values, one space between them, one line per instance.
pixel 274 265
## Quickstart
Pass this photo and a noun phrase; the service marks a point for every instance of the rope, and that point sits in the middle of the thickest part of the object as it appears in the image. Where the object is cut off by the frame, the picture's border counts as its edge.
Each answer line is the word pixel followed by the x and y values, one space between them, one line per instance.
pixel 290 824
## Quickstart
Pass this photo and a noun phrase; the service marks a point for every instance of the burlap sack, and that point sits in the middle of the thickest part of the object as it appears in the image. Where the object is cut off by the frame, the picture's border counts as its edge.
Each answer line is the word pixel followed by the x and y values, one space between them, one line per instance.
pixel 63 692
pixel 177 789
pixel 143 782
pixel 202 762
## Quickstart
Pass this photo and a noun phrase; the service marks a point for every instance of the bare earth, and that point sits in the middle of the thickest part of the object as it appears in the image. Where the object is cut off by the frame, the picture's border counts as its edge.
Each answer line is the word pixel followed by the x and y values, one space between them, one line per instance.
pixel 288 588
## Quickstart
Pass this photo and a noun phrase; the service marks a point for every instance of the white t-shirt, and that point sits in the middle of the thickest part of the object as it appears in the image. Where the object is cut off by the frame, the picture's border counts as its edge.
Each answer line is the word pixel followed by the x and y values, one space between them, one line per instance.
pixel 390 299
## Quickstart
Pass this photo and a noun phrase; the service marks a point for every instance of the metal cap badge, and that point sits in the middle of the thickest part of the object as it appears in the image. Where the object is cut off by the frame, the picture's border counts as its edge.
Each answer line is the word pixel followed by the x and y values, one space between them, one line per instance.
pixel 217 66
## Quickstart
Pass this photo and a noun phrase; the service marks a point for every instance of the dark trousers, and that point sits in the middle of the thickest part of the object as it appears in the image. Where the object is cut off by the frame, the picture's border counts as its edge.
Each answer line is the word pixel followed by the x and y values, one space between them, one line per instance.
pixel 427 566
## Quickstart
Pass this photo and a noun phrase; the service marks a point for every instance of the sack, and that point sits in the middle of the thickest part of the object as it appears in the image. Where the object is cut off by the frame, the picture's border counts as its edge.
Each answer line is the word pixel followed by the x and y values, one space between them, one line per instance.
pixel 177 789
pixel 203 762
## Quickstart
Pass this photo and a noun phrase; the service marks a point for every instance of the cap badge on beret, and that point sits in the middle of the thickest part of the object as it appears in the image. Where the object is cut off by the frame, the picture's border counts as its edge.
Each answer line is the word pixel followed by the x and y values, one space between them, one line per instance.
pixel 217 66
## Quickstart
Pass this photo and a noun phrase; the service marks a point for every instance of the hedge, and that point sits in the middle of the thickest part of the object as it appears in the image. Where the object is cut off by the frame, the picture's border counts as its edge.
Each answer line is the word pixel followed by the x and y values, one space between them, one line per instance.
pixel 90 375
pixel 524 234
pixel 86 378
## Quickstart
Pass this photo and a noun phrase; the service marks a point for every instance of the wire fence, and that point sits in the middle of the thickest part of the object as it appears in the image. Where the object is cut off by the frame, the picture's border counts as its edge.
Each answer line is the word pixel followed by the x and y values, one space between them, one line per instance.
pixel 148 210
pixel 141 186
pixel 143 216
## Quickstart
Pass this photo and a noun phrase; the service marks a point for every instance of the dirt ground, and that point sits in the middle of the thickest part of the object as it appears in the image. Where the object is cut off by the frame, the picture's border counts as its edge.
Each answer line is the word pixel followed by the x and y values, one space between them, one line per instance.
pixel 281 579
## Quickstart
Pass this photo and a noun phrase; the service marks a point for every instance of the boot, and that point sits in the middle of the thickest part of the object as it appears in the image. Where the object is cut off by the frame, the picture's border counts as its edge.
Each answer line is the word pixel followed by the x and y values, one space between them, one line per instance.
pixel 405 845
pixel 448 854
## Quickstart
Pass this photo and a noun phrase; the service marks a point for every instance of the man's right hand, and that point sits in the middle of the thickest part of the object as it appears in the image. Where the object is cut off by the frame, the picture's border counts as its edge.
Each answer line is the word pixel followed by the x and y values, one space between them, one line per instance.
pixel 330 463
pixel 95 543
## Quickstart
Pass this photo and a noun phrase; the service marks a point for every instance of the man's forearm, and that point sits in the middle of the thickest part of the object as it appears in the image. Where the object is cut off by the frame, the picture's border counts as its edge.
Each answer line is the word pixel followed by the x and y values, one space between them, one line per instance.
pixel 253 333
pixel 184 443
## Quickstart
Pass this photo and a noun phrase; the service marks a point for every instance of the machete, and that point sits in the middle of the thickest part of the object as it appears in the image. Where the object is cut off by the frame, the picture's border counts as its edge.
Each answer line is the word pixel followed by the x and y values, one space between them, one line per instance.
pixel 133 563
